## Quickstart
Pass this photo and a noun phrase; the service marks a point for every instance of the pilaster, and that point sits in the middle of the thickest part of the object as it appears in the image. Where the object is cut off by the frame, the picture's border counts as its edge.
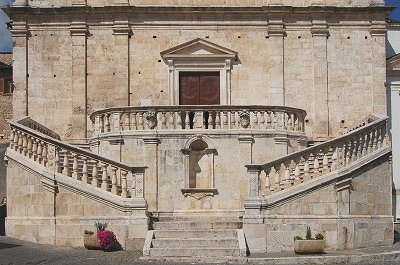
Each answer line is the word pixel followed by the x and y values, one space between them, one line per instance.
pixel 151 180
pixel 281 146
pixel 320 120
pixel 78 31
pixel 20 35
pixel 378 65
pixel 122 33
pixel 276 33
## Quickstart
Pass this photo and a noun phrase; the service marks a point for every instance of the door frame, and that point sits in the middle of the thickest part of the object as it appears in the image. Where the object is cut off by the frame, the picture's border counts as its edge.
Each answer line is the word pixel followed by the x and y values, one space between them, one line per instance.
pixel 224 69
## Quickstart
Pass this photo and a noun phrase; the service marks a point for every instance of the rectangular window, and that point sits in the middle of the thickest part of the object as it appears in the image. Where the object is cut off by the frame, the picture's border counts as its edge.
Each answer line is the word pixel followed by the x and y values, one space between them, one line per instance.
pixel 6 86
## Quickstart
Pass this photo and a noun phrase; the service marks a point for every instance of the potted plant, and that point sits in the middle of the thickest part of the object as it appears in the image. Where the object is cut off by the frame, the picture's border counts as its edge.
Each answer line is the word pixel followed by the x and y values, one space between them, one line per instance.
pixel 90 239
pixel 309 245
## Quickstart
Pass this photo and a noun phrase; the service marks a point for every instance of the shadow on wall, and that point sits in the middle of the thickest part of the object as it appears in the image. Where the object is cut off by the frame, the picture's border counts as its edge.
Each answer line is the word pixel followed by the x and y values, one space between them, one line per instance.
pixel 3 214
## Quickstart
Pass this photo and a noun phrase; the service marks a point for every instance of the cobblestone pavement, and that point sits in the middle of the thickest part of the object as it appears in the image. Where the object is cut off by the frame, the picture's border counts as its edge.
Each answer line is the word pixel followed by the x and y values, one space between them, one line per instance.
pixel 14 251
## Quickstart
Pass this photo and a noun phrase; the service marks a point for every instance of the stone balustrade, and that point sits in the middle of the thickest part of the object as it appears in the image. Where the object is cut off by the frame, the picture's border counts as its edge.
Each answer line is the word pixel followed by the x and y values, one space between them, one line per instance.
pixel 28 122
pixel 210 117
pixel 74 162
pixel 318 160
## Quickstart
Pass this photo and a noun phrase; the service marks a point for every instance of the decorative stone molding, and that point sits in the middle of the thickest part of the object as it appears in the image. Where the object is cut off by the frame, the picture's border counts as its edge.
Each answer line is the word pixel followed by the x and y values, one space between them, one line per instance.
pixel 199 55
pixel 122 28
pixel 244 118
pixel 151 118
pixel 78 29
pixel 19 29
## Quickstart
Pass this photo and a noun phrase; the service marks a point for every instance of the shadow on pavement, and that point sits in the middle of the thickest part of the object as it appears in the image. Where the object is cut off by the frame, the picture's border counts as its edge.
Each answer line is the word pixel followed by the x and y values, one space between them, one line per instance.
pixel 8 245
pixel 3 214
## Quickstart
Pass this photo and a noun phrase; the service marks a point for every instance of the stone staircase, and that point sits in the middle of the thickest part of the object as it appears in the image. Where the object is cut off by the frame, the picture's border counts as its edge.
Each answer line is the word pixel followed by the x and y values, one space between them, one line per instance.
pixel 195 238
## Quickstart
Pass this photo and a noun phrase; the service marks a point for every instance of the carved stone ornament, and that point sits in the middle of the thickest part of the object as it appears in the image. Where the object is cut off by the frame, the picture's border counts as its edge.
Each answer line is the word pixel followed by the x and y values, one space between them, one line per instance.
pixel 151 118
pixel 244 118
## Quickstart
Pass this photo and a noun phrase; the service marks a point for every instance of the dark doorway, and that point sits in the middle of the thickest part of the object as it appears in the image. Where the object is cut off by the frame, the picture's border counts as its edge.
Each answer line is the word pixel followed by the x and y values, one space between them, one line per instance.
pixel 199 88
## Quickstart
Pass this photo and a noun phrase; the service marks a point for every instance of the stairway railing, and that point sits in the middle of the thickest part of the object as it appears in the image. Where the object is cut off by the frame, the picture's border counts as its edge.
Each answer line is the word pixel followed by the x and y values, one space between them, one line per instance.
pixel 44 147
pixel 318 160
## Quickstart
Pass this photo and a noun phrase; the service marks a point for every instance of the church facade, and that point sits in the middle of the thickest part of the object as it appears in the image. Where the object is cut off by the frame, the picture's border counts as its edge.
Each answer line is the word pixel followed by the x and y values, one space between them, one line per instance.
pixel 268 115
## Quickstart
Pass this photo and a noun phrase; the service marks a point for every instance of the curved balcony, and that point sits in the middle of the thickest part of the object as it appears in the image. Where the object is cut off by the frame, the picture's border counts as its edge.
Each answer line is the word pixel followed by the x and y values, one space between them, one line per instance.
pixel 193 119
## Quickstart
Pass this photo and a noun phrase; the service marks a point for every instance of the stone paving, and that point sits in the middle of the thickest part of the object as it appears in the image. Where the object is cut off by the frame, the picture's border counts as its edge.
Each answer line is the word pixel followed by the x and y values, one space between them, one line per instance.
pixel 14 251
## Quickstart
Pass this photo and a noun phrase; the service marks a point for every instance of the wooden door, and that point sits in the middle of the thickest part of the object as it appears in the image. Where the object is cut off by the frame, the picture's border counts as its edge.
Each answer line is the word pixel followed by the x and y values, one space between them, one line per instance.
pixel 199 88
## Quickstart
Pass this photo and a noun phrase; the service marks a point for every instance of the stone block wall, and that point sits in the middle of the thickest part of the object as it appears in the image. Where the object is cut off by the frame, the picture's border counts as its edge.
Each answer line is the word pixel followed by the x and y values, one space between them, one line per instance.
pixel 358 216
pixel 97 62
pixel 6 110
pixel 39 213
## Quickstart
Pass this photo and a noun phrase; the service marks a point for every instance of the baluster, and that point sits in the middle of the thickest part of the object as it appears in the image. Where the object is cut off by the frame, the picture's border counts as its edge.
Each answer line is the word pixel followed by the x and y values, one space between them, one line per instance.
pixel 335 157
pixel 200 120
pixel 278 179
pixel 255 120
pixel 325 161
pixel 124 184
pixel 133 121
pixel 287 180
pixel 296 171
pixel 57 161
pixel 382 132
pixel 96 125
pixel 65 170
pixel 127 122
pixel 316 166
pixel 141 120
pixel 371 142
pixel 104 184
pixel 268 187
pixel 376 139
pixel 29 147
pixel 114 189
pixel 34 149
pixel 233 120
pixel 275 120
pixel 16 141
pixel 262 119
pixel 269 120
pixel 179 121
pixel 306 174
pixel 101 124
pixel 12 138
pixel 218 120
pixel 225 120
pixel 209 121
pixel 24 144
pixel 95 181
pixel 171 120
pixel 44 154
pixel 354 147
pixel 107 123
pixel 364 143
pixel 290 121
pixel 75 166
pixel 39 151
pixel 163 120
pixel 187 120
pixel 347 153
pixel 85 170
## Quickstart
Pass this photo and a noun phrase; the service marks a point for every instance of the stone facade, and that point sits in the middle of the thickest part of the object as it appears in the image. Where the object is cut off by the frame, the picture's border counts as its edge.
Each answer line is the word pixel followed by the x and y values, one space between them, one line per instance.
pixel 117 62
pixel 288 74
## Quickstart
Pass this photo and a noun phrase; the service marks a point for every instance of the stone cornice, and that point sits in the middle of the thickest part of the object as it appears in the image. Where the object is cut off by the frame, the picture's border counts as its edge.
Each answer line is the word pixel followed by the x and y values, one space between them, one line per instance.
pixel 377 11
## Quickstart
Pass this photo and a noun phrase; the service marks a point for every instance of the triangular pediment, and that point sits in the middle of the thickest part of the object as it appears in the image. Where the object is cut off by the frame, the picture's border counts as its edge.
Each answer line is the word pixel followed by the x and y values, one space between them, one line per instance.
pixel 198 49
pixel 393 63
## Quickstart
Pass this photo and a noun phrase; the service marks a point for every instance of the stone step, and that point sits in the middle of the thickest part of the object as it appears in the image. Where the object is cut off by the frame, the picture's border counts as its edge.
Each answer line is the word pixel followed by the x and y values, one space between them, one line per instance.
pixel 190 225
pixel 195 243
pixel 194 252
pixel 205 234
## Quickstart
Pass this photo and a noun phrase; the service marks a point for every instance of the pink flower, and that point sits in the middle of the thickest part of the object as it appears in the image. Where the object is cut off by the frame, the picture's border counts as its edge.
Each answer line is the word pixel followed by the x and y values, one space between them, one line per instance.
pixel 107 239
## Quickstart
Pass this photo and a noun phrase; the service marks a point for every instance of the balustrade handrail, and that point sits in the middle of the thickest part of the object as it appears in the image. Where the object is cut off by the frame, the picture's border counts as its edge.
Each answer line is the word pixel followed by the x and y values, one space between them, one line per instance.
pixel 34 125
pixel 167 108
pixel 198 117
pixel 73 149
pixel 319 160
pixel 321 146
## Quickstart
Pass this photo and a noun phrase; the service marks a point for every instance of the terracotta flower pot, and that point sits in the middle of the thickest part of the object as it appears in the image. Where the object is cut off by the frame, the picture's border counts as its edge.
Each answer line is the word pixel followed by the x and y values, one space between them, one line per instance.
pixel 313 246
pixel 90 241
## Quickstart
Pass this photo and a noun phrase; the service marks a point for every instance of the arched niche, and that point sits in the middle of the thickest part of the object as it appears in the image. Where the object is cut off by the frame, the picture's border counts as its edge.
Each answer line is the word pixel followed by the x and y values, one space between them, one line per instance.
pixel 199 166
